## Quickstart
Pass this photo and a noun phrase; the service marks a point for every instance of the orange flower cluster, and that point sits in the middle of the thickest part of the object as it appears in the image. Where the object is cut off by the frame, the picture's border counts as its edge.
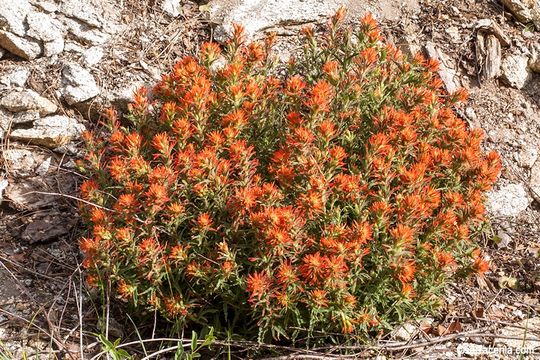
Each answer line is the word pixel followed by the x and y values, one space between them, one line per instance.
pixel 338 197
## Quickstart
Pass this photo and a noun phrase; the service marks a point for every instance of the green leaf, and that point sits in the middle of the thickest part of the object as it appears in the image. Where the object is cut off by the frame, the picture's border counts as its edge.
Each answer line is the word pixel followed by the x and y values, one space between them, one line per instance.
pixel 194 338
pixel 210 338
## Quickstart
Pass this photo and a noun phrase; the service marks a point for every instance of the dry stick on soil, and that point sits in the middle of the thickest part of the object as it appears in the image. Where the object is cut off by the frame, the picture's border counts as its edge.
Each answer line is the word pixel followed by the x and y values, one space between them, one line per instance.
pixel 53 331
pixel 26 269
pixel 305 354
pixel 49 334
pixel 499 322
pixel 237 344
pixel 309 357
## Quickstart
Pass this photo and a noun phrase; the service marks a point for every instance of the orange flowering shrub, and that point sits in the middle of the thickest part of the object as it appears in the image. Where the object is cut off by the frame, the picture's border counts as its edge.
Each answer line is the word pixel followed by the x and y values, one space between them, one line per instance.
pixel 338 194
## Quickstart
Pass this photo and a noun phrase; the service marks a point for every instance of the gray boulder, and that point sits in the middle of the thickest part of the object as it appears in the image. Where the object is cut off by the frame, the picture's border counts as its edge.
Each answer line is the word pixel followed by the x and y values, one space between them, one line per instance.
pixel 15 78
pixel 51 131
pixel 78 84
pixel 524 10
pixel 509 201
pixel 262 15
pixel 24 47
pixel 515 72
pixel 26 100
pixel 13 14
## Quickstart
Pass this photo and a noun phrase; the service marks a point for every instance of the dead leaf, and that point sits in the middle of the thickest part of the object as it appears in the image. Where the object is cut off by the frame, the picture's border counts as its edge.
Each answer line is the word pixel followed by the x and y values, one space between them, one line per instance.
pixel 455 327
pixel 441 330
pixel 478 312
pixel 426 327
pixel 18 258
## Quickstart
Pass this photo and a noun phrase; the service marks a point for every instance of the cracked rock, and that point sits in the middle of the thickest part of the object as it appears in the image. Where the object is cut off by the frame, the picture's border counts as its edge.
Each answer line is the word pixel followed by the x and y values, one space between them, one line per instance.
pixel 43 27
pixel 447 70
pixel 81 10
pixel 524 10
pixel 93 55
pixel 86 34
pixel 26 100
pixel 78 84
pixel 12 15
pixel 22 162
pixel 172 8
pixel 15 78
pixel 261 15
pixel 510 200
pixel 514 70
pixel 50 131
pixel 23 47
pixel 8 119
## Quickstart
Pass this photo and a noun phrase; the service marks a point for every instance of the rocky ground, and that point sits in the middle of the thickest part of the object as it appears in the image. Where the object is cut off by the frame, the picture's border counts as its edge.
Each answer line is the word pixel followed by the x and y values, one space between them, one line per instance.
pixel 63 61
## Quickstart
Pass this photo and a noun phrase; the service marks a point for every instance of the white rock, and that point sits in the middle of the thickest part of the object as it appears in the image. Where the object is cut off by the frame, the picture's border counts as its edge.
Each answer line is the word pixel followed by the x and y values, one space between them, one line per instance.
pixel 82 10
pixel 534 181
pixel 3 185
pixel 454 33
pixel 510 200
pixel 527 157
pixel 54 47
pixel 261 15
pixel 21 162
pixel 26 48
pixel 171 7
pixel 7 117
pixel 78 84
pixel 50 131
pixel 514 70
pixel 122 94
pixel 524 10
pixel 25 100
pixel 15 78
pixel 405 331
pixel 45 5
pixel 469 111
pixel 73 47
pixel 86 34
pixel 43 27
pixel 503 239
pixel 447 70
pixel 44 167
pixel 12 15
pixel 93 55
